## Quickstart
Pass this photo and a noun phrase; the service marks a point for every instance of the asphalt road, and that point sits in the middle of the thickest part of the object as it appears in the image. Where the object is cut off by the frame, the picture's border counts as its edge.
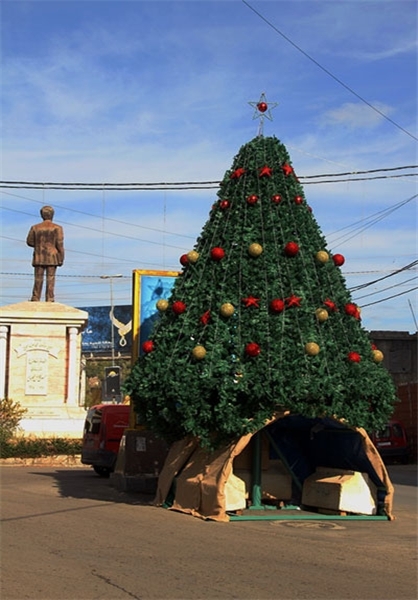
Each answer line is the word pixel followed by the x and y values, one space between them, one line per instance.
pixel 66 534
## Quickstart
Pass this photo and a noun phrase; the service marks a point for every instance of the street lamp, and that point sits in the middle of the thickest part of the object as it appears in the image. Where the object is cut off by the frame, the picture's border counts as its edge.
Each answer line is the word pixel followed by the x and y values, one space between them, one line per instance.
pixel 112 333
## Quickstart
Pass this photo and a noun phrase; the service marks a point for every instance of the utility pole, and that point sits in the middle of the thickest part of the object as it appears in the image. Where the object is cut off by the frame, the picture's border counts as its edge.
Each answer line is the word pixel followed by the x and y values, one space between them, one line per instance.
pixel 112 332
pixel 112 374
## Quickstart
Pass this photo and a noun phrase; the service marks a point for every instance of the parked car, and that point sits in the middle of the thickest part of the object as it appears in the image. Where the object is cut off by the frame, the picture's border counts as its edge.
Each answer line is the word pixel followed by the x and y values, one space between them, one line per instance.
pixel 103 431
pixel 392 442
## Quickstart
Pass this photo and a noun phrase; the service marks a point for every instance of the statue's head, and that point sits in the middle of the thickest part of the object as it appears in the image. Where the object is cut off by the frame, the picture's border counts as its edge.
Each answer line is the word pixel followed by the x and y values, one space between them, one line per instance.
pixel 47 212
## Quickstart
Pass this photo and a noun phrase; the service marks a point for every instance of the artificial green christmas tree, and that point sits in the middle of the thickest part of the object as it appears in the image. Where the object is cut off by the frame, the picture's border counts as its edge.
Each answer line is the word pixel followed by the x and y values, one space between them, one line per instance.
pixel 259 320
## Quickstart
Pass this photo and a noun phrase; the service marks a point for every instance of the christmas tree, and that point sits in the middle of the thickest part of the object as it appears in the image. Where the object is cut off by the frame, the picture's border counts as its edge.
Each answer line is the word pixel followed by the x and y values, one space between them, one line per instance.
pixel 259 320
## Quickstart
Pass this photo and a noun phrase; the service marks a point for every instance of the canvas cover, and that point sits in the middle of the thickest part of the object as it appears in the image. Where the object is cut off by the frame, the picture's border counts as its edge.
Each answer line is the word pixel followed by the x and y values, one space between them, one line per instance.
pixel 196 479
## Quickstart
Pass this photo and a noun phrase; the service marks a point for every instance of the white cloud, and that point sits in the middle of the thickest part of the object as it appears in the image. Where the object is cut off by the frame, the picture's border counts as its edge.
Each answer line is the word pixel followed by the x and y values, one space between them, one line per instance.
pixel 357 115
pixel 150 91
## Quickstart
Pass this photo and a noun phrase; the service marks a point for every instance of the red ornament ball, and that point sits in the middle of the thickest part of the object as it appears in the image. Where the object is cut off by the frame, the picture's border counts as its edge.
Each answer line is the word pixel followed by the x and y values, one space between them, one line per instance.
pixel 252 349
pixel 217 253
pixel 338 259
pixel 276 199
pixel 291 249
pixel 148 346
pixel 277 305
pixel 354 357
pixel 298 200
pixel 262 106
pixel 253 199
pixel 178 307
pixel 184 260
pixel 224 204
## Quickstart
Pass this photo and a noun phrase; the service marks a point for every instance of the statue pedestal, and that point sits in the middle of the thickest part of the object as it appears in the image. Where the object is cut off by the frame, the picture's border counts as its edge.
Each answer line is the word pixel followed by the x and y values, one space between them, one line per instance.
pixel 40 357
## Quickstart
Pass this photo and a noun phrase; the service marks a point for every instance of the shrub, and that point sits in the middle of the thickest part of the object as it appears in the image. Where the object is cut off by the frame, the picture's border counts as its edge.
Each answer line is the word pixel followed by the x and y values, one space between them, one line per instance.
pixel 37 447
pixel 10 415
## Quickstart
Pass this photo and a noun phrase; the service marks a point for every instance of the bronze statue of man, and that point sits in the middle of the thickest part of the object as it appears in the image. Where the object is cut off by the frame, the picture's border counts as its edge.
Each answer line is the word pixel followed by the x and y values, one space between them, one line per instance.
pixel 47 241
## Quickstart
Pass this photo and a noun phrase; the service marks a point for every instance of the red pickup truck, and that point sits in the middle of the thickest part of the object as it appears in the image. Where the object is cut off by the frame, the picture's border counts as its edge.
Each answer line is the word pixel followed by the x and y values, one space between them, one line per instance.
pixel 103 431
pixel 392 442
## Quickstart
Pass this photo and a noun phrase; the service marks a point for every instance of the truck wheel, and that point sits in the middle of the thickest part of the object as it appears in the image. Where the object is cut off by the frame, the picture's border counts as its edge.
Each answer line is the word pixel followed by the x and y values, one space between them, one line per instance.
pixel 102 471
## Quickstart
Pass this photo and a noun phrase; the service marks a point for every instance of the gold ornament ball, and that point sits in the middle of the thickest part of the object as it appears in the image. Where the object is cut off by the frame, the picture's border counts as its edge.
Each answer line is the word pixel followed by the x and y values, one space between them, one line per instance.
pixel 322 256
pixel 255 249
pixel 227 309
pixel 199 352
pixel 162 305
pixel 312 348
pixel 193 256
pixel 321 314
pixel 377 356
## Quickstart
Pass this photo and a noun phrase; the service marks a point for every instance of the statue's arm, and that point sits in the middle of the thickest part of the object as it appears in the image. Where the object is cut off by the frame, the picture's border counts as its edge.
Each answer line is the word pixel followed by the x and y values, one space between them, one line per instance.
pixel 60 246
pixel 30 240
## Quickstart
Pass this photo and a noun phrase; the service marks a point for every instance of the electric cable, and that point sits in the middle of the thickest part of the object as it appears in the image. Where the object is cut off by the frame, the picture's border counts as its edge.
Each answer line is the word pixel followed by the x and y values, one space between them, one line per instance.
pixel 194 185
pixel 364 285
pixel 390 297
pixel 390 287
pixel 339 81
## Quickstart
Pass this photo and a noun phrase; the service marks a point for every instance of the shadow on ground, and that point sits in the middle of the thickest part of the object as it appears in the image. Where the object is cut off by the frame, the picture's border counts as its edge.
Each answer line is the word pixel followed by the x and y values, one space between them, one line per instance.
pixel 84 483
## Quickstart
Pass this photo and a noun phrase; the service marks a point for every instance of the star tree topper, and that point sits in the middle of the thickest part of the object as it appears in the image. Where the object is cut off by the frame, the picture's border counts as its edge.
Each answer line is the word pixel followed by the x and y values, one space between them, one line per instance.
pixel 262 110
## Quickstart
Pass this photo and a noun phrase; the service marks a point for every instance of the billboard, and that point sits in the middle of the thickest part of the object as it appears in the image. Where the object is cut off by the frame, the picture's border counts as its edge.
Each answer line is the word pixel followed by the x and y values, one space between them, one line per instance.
pixel 148 288
pixel 132 324
pixel 97 335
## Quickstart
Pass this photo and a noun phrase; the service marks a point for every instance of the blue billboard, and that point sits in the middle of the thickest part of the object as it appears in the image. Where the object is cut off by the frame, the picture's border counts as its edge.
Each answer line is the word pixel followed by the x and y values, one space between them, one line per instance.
pixel 97 335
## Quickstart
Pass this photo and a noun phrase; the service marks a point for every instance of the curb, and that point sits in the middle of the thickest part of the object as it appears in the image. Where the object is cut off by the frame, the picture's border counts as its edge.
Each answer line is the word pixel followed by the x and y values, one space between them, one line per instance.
pixel 60 460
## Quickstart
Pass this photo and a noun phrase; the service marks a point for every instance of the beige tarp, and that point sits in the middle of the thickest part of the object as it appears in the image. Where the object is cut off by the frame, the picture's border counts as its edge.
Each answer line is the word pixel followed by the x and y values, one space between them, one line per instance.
pixel 200 477
pixel 380 468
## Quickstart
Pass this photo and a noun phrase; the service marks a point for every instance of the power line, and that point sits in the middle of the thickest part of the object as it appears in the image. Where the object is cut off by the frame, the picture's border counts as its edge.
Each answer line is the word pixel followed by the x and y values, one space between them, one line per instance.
pixel 405 268
pixel 383 214
pixel 380 212
pixel 361 172
pixel 344 85
pixel 193 185
pixel 112 258
pixel 390 287
pixel 120 235
pixel 390 297
pixel 81 212
pixel 361 179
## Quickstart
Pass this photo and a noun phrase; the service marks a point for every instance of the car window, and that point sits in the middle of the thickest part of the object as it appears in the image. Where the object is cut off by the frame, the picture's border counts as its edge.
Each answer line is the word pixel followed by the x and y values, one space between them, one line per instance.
pixel 397 431
pixel 383 433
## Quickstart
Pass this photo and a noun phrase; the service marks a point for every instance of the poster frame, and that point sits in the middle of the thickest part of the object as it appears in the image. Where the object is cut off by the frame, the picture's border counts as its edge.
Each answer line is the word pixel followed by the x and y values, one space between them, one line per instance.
pixel 138 277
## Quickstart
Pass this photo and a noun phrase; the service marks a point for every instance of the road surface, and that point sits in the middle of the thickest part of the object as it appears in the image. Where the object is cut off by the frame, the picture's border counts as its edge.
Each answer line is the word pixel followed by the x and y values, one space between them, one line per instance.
pixel 66 534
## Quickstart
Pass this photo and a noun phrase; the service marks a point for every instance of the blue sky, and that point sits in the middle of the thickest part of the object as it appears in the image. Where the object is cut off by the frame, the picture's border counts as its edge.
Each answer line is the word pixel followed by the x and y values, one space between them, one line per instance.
pixel 157 91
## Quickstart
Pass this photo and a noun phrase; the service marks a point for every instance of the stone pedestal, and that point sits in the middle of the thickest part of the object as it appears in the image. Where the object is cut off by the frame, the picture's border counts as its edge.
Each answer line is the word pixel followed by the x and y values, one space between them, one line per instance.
pixel 40 356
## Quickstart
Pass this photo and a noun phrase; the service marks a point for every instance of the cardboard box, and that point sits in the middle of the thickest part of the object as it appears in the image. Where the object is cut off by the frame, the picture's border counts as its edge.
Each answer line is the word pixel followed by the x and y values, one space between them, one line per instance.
pixel 235 495
pixel 276 482
pixel 340 490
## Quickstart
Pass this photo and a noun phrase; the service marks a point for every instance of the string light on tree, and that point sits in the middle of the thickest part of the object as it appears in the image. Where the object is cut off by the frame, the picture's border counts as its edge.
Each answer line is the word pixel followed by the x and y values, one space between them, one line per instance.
pixel 257 333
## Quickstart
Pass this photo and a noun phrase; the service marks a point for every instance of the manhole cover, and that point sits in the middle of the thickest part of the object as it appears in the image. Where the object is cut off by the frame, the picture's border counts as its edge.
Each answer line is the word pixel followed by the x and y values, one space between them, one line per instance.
pixel 310 524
